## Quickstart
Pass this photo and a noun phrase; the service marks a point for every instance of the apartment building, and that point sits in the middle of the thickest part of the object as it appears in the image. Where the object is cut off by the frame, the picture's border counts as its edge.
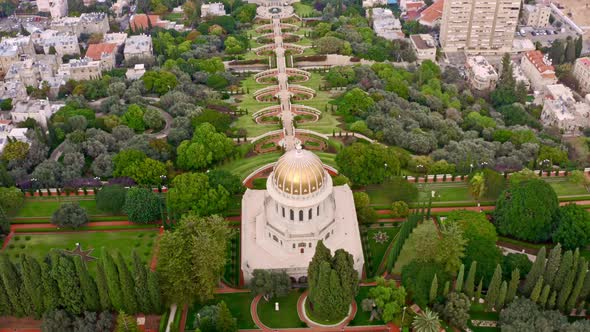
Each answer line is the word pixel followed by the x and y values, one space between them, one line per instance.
pixel 139 46
pixel 212 9
pixel 538 69
pixel 64 43
pixel 55 8
pixel 424 46
pixel 479 26
pixel 13 50
pixel 118 38
pixel 80 70
pixel 103 52
pixel 536 16
pixel 432 15
pixel 481 74
pixel 385 24
pixel 14 90
pixel 87 23
pixel 8 132
pixel 39 110
pixel 582 73
pixel 562 111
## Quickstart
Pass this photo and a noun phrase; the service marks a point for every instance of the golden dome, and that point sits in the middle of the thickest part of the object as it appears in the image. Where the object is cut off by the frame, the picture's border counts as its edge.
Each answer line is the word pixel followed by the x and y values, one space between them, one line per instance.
pixel 299 172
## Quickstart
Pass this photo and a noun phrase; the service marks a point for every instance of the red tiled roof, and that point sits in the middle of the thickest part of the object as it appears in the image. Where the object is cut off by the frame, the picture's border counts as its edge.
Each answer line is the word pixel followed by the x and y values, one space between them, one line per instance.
pixel 432 13
pixel 536 58
pixel 412 15
pixel 140 21
pixel 411 6
pixel 5 121
pixel 95 51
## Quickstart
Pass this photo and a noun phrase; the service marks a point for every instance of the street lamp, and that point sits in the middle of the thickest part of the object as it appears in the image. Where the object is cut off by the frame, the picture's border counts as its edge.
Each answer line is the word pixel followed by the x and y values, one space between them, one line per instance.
pixel 470 168
pixel 403 316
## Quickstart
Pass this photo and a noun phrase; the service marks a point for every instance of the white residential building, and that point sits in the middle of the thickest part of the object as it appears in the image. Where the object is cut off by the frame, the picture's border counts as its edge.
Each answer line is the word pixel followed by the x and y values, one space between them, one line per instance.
pixel 136 72
pixel 582 73
pixel 536 16
pixel 481 75
pixel 118 38
pixel 212 9
pixel 561 110
pixel 14 90
pixel 9 132
pixel 87 23
pixel 64 43
pixel 519 75
pixel 56 8
pixel 424 47
pixel 538 69
pixel 103 52
pixel 385 24
pixel 139 46
pixel 479 26
pixel 38 109
pixel 374 3
pixel 80 70
pixel 14 50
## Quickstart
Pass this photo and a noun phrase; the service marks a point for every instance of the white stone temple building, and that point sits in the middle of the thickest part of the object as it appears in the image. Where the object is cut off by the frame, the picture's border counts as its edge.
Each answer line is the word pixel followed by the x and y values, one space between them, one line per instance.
pixel 282 224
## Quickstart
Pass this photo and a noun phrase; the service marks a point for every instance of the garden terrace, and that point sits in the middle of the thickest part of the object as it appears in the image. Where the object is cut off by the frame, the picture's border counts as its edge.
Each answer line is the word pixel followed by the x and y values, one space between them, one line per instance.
pixel 266 74
pixel 301 92
pixel 266 94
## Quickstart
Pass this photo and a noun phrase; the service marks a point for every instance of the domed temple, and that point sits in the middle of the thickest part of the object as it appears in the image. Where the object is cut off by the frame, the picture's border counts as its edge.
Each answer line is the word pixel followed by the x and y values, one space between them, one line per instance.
pixel 282 224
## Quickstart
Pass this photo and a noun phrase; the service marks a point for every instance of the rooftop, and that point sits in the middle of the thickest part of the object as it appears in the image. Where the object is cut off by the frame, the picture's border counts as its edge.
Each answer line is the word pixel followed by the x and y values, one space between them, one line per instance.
pixel 140 21
pixel 480 66
pixel 96 51
pixel 541 62
pixel 584 61
pixel 433 12
pixel 423 41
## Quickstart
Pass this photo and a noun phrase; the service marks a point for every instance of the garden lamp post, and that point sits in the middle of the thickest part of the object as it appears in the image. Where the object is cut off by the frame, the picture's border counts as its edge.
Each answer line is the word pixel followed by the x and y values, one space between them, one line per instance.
pixel 403 316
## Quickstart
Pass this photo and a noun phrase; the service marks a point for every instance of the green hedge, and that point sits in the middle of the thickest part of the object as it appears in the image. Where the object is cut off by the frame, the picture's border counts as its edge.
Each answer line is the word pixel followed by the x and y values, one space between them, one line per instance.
pixel 84 228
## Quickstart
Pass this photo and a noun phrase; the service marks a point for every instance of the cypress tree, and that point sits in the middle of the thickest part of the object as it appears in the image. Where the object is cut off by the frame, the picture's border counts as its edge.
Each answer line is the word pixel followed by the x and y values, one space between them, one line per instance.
pixel 64 272
pixel 586 288
pixel 570 50
pixel 566 290
pixel 6 308
pixel 154 290
pixel 573 299
pixel 433 289
pixel 470 282
pixel 33 283
pixel 322 254
pixel 544 296
pixel 102 287
pixel 87 285
pixel 459 283
pixel 494 288
pixel 513 286
pixel 576 259
pixel 535 273
pixel 478 293
pixel 446 288
pixel 502 296
pixel 552 299
pixel 566 264
pixel 126 323
pixel 127 286
pixel 141 284
pixel 224 320
pixel 51 299
pixel 552 264
pixel 537 290
pixel 112 275
pixel 579 46
pixel 12 285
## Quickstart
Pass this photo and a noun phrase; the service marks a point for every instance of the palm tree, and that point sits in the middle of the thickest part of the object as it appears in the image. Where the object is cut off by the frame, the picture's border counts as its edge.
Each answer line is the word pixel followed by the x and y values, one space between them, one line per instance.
pixel 477 186
pixel 426 321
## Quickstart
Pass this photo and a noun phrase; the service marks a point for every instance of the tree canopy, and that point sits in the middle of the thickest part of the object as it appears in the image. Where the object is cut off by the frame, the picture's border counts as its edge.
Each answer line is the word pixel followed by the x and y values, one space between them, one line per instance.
pixel 367 163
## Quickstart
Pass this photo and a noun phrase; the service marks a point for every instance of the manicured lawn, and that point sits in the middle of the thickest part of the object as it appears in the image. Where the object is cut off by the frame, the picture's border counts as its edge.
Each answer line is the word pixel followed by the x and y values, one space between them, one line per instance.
pixel 45 208
pixel 477 312
pixel 563 187
pixel 313 318
pixel 238 304
pixel 243 167
pixel 447 192
pixel 304 10
pixel 408 252
pixel 376 249
pixel 39 245
pixel 362 317
pixel 286 317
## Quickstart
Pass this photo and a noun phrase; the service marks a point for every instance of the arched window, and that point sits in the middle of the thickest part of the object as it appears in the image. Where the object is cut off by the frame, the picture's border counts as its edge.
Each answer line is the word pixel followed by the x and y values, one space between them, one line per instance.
pixel 300 215
pixel 318 210
pixel 283 212
pixel 310 214
pixel 292 215
pixel 327 235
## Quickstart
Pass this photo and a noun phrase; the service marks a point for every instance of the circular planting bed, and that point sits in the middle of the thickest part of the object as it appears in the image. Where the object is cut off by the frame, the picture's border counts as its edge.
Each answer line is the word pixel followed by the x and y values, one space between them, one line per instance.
pixel 268 144
pixel 308 313
pixel 311 142
pixel 303 117
pixel 267 80
pixel 268 119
